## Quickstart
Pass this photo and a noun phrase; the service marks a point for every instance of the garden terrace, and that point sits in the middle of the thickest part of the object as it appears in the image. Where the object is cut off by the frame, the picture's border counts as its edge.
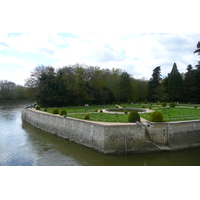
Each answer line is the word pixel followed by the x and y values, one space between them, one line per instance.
pixel 183 112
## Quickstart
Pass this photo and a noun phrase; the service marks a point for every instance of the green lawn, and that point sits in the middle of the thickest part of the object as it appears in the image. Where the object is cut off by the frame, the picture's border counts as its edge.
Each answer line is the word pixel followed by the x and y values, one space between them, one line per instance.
pixel 176 114
pixel 182 112
pixel 81 109
pixel 103 117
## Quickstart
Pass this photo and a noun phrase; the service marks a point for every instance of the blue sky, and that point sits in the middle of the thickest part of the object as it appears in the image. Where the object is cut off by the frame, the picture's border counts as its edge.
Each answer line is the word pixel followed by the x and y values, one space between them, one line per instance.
pixel 136 53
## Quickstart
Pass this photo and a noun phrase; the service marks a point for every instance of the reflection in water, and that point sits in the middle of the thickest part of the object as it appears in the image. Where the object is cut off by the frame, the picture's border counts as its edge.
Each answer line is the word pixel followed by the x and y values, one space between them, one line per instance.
pixel 24 145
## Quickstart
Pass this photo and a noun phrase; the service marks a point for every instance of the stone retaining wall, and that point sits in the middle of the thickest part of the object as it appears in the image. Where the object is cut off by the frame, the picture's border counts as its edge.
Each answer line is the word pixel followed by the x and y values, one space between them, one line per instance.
pixel 104 137
pixel 116 137
pixel 176 135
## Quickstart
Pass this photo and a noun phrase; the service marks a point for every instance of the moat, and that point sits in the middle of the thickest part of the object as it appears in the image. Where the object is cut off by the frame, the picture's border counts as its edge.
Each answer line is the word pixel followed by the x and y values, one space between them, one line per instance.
pixel 24 145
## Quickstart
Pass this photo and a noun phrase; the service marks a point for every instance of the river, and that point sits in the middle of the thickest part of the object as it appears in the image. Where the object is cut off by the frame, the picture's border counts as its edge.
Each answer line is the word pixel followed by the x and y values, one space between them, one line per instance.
pixel 24 145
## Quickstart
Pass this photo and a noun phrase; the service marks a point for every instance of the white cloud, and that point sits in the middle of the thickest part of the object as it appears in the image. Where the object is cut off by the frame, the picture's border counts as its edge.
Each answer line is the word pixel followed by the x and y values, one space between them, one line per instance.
pixel 46 43
pixel 15 69
pixel 138 54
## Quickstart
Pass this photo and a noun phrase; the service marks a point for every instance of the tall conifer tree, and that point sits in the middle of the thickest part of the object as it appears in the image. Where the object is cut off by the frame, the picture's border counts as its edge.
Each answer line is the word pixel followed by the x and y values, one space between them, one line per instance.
pixel 154 83
pixel 175 84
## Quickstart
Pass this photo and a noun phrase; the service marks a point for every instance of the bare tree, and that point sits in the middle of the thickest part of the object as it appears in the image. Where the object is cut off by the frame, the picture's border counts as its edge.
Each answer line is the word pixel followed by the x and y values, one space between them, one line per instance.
pixel 7 90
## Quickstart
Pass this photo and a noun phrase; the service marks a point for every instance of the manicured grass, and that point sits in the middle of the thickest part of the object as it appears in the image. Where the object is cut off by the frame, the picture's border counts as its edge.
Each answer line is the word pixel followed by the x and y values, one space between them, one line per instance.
pixel 176 114
pixel 81 109
pixel 142 105
pixel 80 112
pixel 103 117
pixel 182 112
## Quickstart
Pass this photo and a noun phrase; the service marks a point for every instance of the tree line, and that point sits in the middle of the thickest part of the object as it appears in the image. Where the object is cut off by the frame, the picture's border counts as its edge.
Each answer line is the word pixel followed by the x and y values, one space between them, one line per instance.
pixel 10 91
pixel 175 86
pixel 80 84
pixel 183 87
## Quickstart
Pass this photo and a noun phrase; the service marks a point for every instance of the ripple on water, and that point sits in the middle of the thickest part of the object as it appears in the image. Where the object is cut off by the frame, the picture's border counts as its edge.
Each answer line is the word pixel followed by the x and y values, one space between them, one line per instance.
pixel 52 157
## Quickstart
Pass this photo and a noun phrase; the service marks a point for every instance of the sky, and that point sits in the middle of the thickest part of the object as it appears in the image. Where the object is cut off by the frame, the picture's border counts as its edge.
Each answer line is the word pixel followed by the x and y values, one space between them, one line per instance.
pixel 136 53
pixel 135 37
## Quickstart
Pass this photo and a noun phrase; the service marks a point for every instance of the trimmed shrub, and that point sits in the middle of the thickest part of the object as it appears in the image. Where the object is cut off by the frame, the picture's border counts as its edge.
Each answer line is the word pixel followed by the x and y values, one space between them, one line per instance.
pixel 55 111
pixel 156 117
pixel 37 107
pixel 45 110
pixel 63 112
pixel 86 117
pixel 125 112
pixel 163 104
pixel 195 106
pixel 172 104
pixel 101 111
pixel 134 116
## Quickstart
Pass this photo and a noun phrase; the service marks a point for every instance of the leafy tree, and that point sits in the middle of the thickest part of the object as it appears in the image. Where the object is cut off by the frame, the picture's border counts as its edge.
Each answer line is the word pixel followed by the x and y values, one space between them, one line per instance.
pixel 141 89
pixel 113 83
pixel 33 81
pixel 126 89
pixel 21 92
pixel 48 88
pixel 79 84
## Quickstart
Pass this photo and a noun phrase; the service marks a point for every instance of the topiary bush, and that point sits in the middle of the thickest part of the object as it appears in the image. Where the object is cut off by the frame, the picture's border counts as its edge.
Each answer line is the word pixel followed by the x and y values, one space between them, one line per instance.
pixel 125 112
pixel 55 111
pixel 172 104
pixel 163 104
pixel 37 107
pixel 86 117
pixel 45 110
pixel 63 112
pixel 134 116
pixel 156 117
